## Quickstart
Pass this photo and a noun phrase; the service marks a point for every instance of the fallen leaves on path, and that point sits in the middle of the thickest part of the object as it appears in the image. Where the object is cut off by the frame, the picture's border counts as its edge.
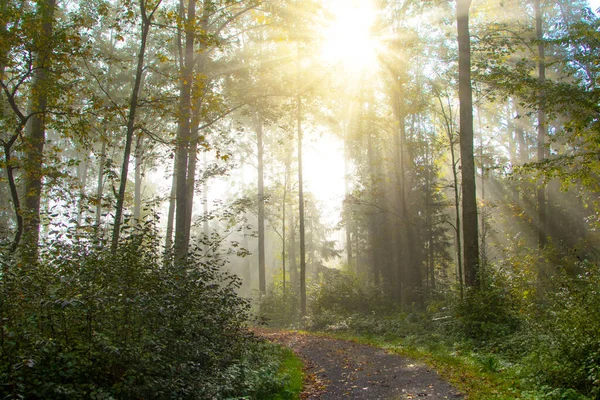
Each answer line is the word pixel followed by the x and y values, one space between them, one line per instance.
pixel 338 369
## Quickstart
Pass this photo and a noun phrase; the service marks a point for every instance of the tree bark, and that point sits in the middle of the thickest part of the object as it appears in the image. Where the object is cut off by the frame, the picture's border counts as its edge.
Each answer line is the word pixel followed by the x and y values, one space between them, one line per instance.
pixel 301 213
pixel 145 29
pixel 171 216
pixel 137 198
pixel 196 111
pixel 469 206
pixel 293 263
pixel 100 184
pixel 262 283
pixel 82 175
pixel 542 125
pixel 184 135
pixel 36 133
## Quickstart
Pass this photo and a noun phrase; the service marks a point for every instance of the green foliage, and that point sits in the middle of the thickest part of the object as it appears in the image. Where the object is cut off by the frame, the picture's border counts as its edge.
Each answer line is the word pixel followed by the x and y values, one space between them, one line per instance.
pixel 486 314
pixel 343 295
pixel 85 323
pixel 567 328
pixel 280 310
pixel 540 337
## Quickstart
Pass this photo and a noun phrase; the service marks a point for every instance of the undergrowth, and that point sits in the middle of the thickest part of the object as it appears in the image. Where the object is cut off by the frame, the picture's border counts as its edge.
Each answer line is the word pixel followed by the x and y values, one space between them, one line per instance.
pixel 509 339
pixel 86 323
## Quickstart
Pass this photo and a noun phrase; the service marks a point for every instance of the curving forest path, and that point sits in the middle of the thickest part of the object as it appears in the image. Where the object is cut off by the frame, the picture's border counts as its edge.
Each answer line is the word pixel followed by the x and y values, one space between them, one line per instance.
pixel 339 369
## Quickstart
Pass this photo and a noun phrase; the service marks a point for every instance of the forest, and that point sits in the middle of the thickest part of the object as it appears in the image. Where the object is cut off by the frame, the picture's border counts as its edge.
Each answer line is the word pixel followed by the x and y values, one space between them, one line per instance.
pixel 182 179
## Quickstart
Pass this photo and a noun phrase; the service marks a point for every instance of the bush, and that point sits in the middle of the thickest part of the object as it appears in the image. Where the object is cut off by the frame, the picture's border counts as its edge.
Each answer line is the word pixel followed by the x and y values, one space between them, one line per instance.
pixel 278 310
pixel 342 296
pixel 85 323
pixel 487 314
pixel 567 328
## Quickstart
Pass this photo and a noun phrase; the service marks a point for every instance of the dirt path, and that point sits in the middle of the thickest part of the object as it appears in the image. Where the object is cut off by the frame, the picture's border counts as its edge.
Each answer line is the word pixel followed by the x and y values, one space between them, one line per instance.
pixel 339 369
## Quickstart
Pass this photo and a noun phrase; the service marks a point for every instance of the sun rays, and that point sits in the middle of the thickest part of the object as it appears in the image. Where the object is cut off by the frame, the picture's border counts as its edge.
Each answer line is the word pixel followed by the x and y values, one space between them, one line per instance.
pixel 348 38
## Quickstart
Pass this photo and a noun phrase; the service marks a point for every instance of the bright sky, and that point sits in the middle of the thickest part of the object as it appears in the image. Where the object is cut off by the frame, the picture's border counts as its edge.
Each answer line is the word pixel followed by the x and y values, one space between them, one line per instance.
pixel 347 38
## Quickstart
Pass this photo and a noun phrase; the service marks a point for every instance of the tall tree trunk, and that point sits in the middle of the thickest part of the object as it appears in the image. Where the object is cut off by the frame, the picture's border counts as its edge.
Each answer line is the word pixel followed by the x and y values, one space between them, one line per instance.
pixel 169 247
pixel 82 175
pixel 293 250
pixel 205 226
pixel 7 147
pixel 262 283
pixel 196 110
pixel 36 132
pixel 301 212
pixel 100 184
pixel 190 183
pixel 520 132
pixel 373 215
pixel 137 197
pixel 429 218
pixel 348 226
pixel 458 225
pixel 184 134
pixel 465 95
pixel 410 272
pixel 288 162
pixel 283 237
pixel 542 126
pixel 145 29
pixel 171 216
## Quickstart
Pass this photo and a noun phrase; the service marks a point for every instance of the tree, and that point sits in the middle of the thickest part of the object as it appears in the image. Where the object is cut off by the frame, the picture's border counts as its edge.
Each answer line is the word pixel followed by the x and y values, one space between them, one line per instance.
pixel 147 11
pixel 469 196
pixel 36 130
pixel 542 126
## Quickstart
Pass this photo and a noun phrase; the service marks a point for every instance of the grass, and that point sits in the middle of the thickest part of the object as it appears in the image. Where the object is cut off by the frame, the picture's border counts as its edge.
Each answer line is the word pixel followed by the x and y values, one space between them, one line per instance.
pixel 292 370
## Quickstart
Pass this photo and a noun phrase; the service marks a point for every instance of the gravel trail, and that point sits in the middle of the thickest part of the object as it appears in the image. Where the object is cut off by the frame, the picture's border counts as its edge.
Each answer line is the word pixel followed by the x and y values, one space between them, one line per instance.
pixel 339 369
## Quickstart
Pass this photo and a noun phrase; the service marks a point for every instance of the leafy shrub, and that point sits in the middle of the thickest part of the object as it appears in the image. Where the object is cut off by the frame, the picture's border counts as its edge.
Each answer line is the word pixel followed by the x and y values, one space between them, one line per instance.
pixel 86 323
pixel 485 315
pixel 344 295
pixel 280 310
pixel 567 328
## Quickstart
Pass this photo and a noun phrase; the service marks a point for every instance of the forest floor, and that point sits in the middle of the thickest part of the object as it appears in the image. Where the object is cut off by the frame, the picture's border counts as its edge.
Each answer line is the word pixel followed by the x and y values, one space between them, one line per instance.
pixel 339 369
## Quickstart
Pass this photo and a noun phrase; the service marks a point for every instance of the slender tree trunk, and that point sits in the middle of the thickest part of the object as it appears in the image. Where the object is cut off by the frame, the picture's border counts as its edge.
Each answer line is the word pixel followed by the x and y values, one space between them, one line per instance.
pixel 169 247
pixel 429 219
pixel 262 283
pixel 205 226
pixel 347 193
pixel 283 219
pixel 301 211
pixel 13 185
pixel 104 139
pixel 469 215
pixel 183 135
pixel 283 238
pixel 373 220
pixel 82 175
pixel 145 29
pixel 36 133
pixel 293 250
pixel 458 226
pixel 137 198
pixel 520 132
pixel 100 184
pixel 542 125
pixel 196 116
pixel 171 216
pixel 399 230
pixel 410 272
pixel 191 179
